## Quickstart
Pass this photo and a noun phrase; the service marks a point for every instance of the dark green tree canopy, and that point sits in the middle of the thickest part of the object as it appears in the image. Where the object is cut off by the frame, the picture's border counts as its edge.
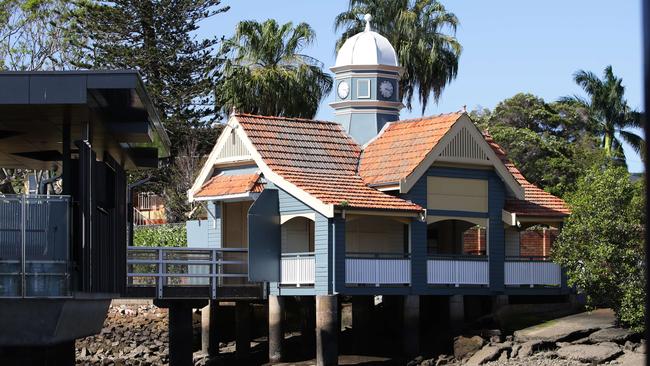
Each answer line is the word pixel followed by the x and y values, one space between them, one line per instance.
pixel 268 74
pixel 601 245
pixel 158 38
pixel 550 143
pixel 423 34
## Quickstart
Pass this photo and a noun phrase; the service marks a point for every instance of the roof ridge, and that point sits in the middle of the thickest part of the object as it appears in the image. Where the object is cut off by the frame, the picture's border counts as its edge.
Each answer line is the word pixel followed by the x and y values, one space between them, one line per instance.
pixel 459 113
pixel 284 118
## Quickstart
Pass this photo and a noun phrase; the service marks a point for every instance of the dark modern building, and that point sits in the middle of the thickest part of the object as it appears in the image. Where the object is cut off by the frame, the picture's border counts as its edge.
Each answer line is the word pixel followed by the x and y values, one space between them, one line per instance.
pixel 63 256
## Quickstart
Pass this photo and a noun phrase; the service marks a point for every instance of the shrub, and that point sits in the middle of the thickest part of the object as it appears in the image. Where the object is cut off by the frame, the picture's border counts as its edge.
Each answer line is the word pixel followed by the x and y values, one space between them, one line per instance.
pixel 601 245
pixel 168 235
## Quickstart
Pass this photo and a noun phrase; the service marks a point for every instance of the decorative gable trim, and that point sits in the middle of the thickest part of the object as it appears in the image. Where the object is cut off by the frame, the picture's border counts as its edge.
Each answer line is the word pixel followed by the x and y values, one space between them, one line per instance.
pixel 233 148
pixel 463 148
pixel 463 143
pixel 208 167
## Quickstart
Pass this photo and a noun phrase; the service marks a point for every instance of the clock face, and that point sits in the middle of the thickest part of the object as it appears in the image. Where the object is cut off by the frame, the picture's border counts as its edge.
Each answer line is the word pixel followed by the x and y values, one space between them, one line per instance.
pixel 386 89
pixel 343 89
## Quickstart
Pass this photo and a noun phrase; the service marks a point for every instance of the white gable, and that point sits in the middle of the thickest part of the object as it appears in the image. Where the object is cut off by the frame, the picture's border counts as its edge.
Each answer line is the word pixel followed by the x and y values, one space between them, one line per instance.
pixel 233 147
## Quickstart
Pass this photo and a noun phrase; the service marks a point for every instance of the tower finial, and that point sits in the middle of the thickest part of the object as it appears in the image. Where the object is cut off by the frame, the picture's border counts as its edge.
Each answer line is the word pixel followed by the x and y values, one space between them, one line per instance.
pixel 367 18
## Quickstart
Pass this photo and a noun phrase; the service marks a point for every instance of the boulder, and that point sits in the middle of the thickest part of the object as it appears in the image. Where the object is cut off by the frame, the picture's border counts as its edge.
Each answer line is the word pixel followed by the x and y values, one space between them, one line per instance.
pixel 589 353
pixel 486 354
pixel 631 359
pixel 530 347
pixel 465 347
pixel 616 335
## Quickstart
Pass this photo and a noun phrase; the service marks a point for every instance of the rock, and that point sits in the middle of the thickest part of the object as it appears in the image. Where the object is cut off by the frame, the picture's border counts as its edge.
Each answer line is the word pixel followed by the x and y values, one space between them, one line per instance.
pixel 631 359
pixel 465 347
pixel 443 360
pixel 495 339
pixel 629 346
pixel 641 347
pixel 589 353
pixel 617 335
pixel 530 347
pixel 515 350
pixel 569 327
pixel 504 356
pixel 486 354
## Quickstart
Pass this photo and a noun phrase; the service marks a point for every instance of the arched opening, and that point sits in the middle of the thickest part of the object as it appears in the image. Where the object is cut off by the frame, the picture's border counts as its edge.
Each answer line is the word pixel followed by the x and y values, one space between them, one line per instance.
pixel 457 251
pixel 298 235
pixel 297 247
pixel 456 237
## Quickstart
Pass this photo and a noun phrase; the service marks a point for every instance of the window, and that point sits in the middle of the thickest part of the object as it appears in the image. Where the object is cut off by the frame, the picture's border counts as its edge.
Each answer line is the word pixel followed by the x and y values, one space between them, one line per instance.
pixel 363 89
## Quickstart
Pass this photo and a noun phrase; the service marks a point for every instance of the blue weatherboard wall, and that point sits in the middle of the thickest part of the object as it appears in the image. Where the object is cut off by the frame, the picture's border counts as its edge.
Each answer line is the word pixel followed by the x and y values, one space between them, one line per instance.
pixel 205 233
pixel 496 197
pixel 290 205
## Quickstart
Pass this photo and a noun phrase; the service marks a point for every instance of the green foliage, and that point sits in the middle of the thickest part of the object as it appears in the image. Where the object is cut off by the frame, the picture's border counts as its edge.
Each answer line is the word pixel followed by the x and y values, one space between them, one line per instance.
pixel 161 40
pixel 267 73
pixel 423 34
pixel 601 245
pixel 609 111
pixel 552 144
pixel 38 35
pixel 168 235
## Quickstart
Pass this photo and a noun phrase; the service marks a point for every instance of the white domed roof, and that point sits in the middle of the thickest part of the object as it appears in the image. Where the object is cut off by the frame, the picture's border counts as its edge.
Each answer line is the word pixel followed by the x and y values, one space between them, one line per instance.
pixel 367 48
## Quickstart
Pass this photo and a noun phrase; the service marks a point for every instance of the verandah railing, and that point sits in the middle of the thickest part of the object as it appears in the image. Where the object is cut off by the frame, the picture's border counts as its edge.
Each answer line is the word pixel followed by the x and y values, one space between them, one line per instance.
pixel 297 269
pixel 532 271
pixel 458 270
pixel 377 268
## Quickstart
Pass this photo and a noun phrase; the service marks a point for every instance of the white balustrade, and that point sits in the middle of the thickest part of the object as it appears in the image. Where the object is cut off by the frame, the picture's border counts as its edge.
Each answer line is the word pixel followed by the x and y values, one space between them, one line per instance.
pixel 377 271
pixel 458 271
pixel 524 271
pixel 297 269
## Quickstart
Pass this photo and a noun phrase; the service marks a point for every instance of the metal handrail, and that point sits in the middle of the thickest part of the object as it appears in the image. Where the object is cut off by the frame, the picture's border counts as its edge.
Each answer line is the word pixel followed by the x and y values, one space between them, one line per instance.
pixel 368 255
pixel 298 254
pixel 458 257
pixel 214 260
pixel 531 258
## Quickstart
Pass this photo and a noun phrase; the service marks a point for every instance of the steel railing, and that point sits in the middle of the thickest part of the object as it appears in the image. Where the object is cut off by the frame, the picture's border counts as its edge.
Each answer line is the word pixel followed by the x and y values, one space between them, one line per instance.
pixel 34 246
pixel 165 266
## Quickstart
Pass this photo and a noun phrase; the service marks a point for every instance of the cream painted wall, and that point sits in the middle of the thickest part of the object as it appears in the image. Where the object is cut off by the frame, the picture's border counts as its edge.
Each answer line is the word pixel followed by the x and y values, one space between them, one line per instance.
pixel 374 234
pixel 457 194
pixel 298 235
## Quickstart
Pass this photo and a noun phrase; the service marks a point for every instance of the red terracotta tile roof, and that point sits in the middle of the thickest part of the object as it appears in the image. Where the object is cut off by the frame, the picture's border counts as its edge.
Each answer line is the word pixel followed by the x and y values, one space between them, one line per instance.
pixel 537 202
pixel 401 147
pixel 319 158
pixel 222 185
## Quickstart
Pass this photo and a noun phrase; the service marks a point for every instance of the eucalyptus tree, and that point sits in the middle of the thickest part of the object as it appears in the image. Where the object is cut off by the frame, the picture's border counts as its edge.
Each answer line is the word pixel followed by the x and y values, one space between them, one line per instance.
pixel 423 33
pixel 267 73
pixel 609 110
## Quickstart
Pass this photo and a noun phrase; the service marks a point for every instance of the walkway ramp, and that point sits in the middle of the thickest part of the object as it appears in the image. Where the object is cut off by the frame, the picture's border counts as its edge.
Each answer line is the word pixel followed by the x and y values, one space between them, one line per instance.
pixel 568 327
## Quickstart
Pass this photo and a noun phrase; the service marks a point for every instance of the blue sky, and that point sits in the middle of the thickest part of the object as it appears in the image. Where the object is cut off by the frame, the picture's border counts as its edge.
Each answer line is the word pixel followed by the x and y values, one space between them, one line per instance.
pixel 509 46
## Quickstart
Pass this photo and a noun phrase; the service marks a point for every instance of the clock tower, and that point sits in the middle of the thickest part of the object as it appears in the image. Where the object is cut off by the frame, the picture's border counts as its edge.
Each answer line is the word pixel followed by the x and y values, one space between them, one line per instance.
pixel 366 84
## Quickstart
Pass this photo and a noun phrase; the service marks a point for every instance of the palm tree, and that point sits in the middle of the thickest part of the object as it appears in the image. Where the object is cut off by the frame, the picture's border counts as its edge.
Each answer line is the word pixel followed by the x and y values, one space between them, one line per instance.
pixel 267 74
pixel 609 110
pixel 423 34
